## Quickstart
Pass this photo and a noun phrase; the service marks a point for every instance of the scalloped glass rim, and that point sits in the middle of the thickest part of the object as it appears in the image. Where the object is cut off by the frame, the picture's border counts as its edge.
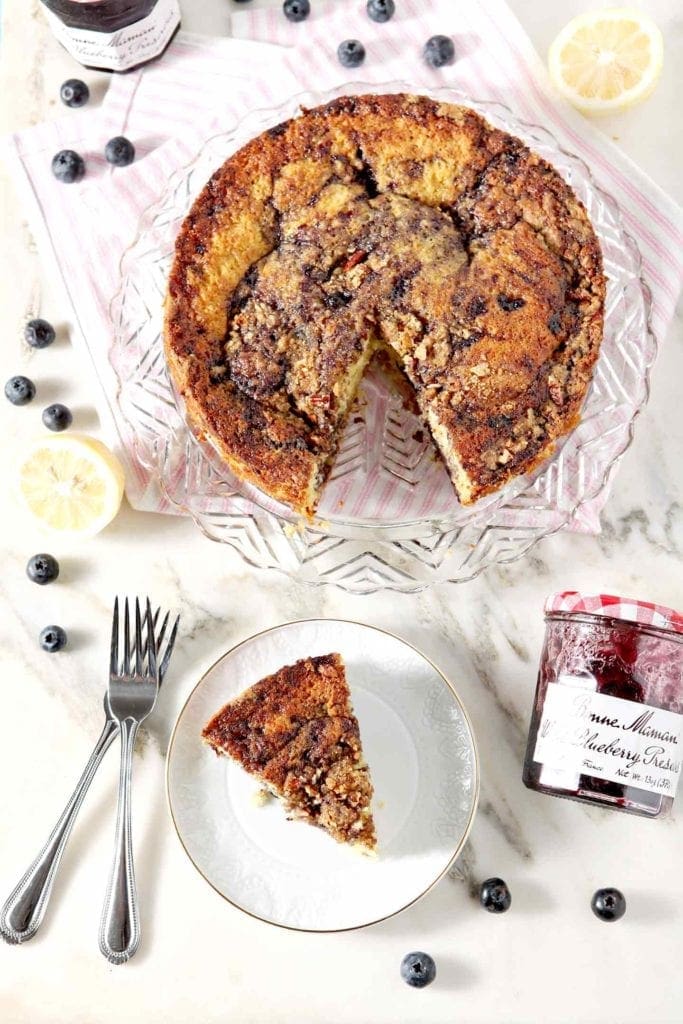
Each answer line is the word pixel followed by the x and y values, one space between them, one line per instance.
pixel 370 555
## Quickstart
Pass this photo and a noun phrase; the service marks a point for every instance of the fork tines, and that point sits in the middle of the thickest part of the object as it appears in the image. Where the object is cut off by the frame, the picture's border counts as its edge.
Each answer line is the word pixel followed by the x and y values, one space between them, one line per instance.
pixel 146 648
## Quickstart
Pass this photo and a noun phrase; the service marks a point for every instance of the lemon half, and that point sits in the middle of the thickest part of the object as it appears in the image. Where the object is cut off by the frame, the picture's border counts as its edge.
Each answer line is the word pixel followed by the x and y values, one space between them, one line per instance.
pixel 607 60
pixel 71 484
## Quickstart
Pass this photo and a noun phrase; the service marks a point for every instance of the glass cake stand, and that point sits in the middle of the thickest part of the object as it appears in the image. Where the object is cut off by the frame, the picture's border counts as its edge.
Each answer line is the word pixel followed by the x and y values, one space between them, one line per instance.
pixel 389 518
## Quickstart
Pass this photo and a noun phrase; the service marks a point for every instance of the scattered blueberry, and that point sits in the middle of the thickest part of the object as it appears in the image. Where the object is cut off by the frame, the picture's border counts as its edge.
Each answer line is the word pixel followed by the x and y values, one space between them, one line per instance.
pixel 351 53
pixel 381 10
pixel 39 333
pixel 494 896
pixel 68 166
pixel 296 10
pixel 608 904
pixel 52 639
pixel 57 417
pixel 418 969
pixel 439 50
pixel 74 93
pixel 119 151
pixel 20 390
pixel 42 569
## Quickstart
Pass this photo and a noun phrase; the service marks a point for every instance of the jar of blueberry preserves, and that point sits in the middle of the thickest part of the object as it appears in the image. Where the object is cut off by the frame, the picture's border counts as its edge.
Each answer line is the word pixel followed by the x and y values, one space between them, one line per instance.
pixel 607 722
pixel 113 35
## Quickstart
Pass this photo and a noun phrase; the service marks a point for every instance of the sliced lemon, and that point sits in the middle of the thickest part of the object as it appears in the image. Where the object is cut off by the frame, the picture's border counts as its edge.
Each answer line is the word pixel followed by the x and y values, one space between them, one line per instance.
pixel 72 484
pixel 607 60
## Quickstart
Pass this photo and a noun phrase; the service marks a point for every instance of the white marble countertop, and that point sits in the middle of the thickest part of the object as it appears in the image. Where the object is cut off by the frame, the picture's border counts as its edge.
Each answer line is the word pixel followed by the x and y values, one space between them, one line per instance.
pixel 549 959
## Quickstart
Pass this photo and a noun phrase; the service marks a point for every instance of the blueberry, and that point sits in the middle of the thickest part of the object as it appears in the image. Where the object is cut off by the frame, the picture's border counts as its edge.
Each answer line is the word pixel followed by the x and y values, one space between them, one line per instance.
pixel 508 303
pixel 39 333
pixel 68 166
pixel 439 50
pixel 74 93
pixel 418 969
pixel 381 10
pixel 296 10
pixel 494 896
pixel 351 53
pixel 42 569
pixel 20 390
pixel 335 300
pixel 57 417
pixel 52 639
pixel 555 323
pixel 119 151
pixel 608 904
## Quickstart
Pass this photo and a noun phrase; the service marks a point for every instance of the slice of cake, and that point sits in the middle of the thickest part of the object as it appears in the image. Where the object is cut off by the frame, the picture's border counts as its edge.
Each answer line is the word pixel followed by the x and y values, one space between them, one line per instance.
pixel 296 732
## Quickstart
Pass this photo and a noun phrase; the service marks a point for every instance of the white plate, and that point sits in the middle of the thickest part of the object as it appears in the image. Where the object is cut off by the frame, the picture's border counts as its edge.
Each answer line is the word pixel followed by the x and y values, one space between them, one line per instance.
pixel 418 742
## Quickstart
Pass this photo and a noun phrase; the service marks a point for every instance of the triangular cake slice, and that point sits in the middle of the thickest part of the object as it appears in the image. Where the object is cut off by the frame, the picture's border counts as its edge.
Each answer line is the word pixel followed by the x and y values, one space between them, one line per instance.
pixel 296 732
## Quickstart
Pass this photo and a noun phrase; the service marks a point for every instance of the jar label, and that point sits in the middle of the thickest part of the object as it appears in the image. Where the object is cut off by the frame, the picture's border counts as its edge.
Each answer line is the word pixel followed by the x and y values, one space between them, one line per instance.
pixel 587 733
pixel 125 48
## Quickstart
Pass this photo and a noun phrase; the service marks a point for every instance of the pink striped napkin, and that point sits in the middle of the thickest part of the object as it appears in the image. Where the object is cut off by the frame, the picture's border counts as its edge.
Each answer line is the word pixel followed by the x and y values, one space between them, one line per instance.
pixel 168 109
pixel 201 85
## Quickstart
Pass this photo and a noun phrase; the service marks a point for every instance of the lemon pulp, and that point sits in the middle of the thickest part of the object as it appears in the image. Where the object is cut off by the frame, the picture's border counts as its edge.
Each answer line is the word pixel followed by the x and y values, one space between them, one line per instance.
pixel 71 484
pixel 607 60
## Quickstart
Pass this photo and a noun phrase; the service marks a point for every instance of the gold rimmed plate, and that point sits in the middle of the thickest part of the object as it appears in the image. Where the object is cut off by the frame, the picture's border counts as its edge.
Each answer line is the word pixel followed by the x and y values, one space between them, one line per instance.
pixel 418 742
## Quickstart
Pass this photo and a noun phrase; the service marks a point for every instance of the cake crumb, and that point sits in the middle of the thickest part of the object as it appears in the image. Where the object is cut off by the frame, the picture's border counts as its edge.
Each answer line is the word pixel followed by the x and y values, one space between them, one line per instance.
pixel 290 530
pixel 260 797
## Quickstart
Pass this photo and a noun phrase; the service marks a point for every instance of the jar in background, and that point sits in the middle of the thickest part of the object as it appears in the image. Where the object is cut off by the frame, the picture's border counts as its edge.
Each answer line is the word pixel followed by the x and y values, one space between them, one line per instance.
pixel 607 722
pixel 113 35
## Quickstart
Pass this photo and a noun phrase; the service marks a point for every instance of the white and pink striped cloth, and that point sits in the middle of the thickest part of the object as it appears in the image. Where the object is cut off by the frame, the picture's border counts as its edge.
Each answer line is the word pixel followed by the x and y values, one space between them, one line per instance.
pixel 203 85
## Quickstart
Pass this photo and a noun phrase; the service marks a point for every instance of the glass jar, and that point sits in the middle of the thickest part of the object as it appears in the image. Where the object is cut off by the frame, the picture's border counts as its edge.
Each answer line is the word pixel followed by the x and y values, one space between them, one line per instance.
pixel 607 721
pixel 113 35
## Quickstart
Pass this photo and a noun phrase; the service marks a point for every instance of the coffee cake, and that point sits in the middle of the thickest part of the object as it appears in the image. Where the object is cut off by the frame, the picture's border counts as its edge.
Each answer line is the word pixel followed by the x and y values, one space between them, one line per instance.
pixel 296 732
pixel 389 222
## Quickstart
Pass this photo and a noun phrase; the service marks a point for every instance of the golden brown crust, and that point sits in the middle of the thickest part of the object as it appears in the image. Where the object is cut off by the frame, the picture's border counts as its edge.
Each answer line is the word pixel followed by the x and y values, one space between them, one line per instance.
pixel 295 731
pixel 384 221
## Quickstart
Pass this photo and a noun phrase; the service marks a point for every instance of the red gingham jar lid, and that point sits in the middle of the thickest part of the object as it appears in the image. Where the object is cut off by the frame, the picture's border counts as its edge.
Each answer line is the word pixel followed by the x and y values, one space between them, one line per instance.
pixel 643 612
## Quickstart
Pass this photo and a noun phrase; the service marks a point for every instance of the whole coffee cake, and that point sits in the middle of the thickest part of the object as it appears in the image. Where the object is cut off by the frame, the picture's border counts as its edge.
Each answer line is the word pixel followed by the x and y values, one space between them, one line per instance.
pixel 388 222
pixel 296 732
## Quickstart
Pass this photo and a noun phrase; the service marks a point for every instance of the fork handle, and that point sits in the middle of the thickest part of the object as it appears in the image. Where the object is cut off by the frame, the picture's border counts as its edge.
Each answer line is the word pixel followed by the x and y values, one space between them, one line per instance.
pixel 120 924
pixel 24 909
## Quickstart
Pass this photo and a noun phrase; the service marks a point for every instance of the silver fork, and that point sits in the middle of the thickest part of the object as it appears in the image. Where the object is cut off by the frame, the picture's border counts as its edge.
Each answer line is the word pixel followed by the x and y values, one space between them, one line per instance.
pixel 133 690
pixel 24 909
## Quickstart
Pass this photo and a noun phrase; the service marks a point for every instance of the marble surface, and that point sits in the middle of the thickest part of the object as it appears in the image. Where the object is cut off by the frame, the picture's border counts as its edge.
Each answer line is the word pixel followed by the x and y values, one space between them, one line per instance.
pixel 549 959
